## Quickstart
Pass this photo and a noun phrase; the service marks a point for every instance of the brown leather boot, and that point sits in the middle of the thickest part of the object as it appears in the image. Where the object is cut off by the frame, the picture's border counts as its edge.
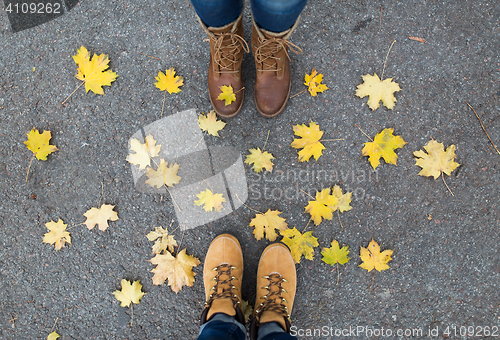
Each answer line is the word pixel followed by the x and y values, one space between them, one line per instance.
pixel 226 54
pixel 276 284
pixel 222 274
pixel 272 83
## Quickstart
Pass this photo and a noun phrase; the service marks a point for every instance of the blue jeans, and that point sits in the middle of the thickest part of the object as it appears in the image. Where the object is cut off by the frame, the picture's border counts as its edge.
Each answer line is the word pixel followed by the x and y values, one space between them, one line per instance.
pixel 271 15
pixel 225 327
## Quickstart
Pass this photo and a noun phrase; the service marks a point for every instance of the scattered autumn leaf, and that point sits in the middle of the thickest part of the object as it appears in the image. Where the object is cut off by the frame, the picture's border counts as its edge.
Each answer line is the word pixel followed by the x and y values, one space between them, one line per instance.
pixel 436 160
pixel 92 72
pixel 227 94
pixel 374 259
pixel 267 223
pixel 100 217
pixel 310 141
pixel 210 124
pixel 247 309
pixel 53 336
pixel 130 293
pixel 210 200
pixel 164 174
pixel 143 152
pixel 299 244
pixel 38 143
pixel 57 235
pixel 383 145
pixel 169 81
pixel 335 254
pixel 163 241
pixel 178 270
pixel 313 82
pixel 378 90
pixel 260 160
pixel 320 208
pixel 343 200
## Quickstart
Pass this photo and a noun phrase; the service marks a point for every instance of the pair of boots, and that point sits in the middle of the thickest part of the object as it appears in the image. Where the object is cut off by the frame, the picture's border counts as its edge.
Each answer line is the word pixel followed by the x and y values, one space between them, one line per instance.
pixel 270 50
pixel 276 283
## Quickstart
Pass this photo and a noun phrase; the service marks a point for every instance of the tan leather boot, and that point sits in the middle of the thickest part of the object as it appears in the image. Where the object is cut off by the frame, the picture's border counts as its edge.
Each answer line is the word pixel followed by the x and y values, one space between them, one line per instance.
pixel 276 284
pixel 222 274
pixel 272 83
pixel 226 54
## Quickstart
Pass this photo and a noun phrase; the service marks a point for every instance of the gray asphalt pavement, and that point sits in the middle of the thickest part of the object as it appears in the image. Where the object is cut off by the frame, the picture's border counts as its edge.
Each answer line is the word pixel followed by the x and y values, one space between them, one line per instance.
pixel 445 271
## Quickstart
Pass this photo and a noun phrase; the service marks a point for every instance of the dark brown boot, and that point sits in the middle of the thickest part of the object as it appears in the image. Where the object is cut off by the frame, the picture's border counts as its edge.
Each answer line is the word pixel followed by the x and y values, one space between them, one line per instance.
pixel 276 284
pixel 272 83
pixel 226 54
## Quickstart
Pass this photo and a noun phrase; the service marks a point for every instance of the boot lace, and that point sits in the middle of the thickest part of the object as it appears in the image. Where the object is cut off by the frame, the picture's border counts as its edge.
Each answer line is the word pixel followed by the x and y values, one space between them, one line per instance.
pixel 274 291
pixel 226 285
pixel 266 52
pixel 227 48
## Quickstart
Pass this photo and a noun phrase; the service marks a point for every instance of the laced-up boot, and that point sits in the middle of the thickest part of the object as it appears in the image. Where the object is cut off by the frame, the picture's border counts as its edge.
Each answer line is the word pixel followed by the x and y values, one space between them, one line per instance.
pixel 226 54
pixel 272 83
pixel 222 274
pixel 276 284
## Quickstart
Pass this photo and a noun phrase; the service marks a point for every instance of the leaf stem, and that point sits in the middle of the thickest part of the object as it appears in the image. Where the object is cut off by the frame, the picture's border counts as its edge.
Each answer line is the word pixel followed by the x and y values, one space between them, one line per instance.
pixel 132 317
pixel 163 105
pixel 307 194
pixel 259 212
pixel 442 176
pixel 338 274
pixel 264 147
pixel 304 90
pixel 363 132
pixel 382 77
pixel 180 243
pixel 29 166
pixel 331 140
pixel 83 82
pixel 480 122
pixel 307 225
pixel 102 194
pixel 338 213
pixel 373 280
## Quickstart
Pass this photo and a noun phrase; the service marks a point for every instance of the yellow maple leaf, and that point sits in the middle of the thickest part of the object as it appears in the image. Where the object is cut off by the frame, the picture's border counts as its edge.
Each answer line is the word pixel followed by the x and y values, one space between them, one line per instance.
pixel 227 94
pixel 210 200
pixel 169 81
pixel 38 143
pixel 163 241
pixel 374 259
pixel 210 124
pixel 143 152
pixel 335 254
pixel 57 235
pixel 260 160
pixel 267 223
pixel 164 174
pixel 313 82
pixel 343 200
pixel 130 293
pixel 178 270
pixel 299 244
pixel 321 207
pixel 436 160
pixel 383 145
pixel 53 336
pixel 100 217
pixel 310 141
pixel 92 72
pixel 378 90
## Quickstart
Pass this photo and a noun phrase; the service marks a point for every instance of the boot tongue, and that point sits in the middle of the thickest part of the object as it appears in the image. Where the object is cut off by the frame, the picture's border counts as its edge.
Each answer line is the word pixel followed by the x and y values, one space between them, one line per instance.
pixel 221 306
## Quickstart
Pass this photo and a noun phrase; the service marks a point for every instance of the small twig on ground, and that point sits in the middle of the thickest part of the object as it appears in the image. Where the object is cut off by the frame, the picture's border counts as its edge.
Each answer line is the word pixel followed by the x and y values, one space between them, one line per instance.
pixel 13 320
pixel 54 325
pixel 442 175
pixel 385 62
pixel 148 55
pixel 480 122
pixel 380 24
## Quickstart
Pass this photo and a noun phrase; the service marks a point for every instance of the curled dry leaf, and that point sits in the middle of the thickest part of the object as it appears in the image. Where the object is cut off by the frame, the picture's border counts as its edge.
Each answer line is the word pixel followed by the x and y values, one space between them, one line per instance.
pixel 100 217
pixel 143 152
pixel 178 270
pixel 260 160
pixel 57 235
